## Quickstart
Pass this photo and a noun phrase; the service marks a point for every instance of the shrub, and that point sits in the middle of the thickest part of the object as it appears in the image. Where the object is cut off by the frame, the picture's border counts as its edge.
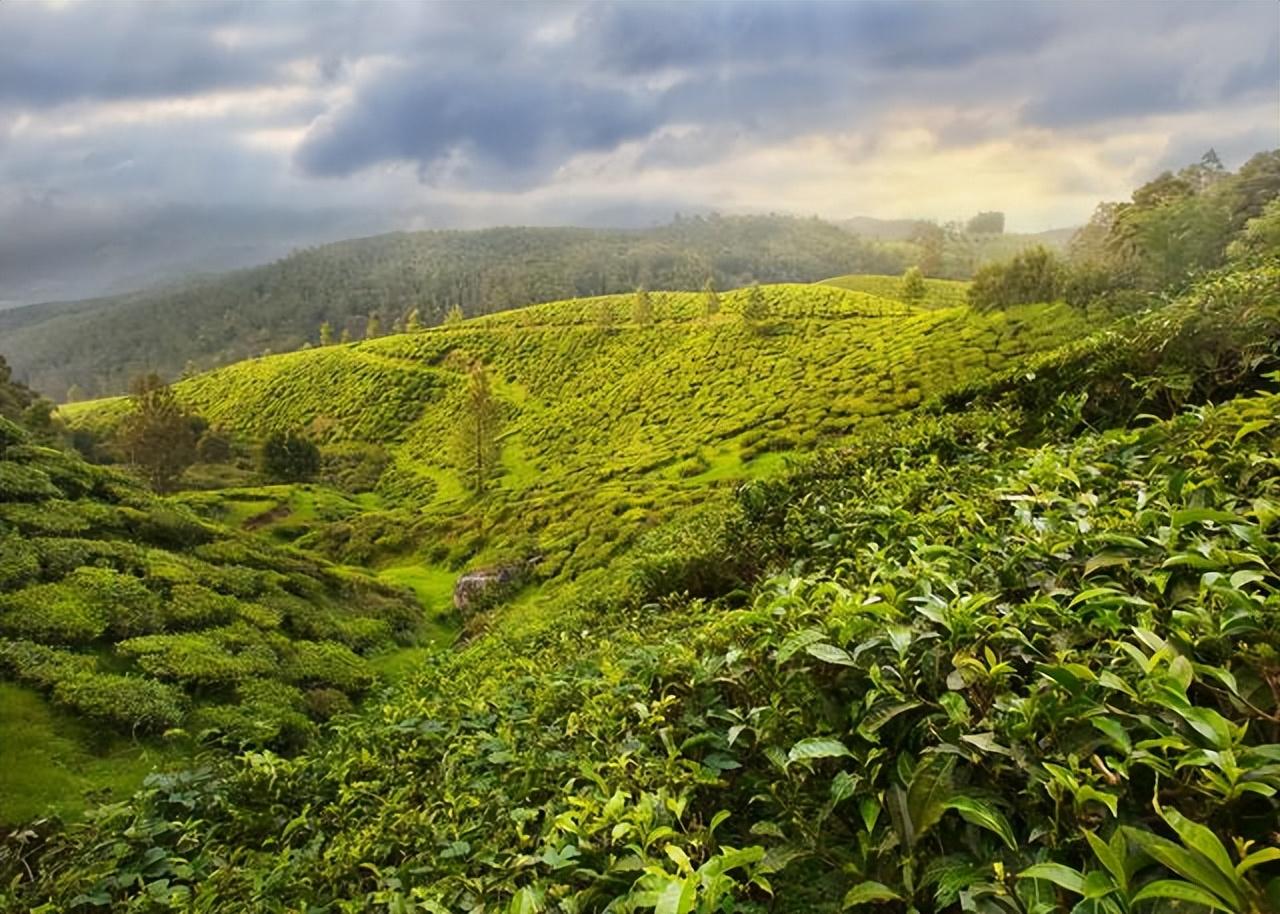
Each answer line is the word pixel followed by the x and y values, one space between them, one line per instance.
pixel 19 482
pixel 323 703
pixel 353 466
pixel 289 456
pixel 133 702
pixel 1035 275
pixel 167 526
pixel 41 665
pixel 200 660
pixel 193 606
pixel 59 556
pixel 19 562
pixel 326 663
pixel 52 614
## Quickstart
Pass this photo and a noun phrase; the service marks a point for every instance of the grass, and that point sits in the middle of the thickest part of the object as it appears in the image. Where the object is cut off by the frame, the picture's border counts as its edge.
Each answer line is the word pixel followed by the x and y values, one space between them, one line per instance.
pixel 51 762
pixel 433 586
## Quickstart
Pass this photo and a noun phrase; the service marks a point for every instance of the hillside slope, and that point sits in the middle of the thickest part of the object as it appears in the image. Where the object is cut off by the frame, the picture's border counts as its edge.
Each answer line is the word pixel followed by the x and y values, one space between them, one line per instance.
pixel 610 426
pixel 133 615
pixel 99 346
pixel 970 661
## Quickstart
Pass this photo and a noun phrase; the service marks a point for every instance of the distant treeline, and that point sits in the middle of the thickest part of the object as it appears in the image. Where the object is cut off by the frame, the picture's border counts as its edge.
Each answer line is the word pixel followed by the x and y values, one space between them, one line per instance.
pixel 90 348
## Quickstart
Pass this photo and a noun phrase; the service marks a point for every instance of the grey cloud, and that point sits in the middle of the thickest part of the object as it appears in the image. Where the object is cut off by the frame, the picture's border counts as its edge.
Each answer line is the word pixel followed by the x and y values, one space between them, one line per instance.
pixel 495 97
pixel 511 127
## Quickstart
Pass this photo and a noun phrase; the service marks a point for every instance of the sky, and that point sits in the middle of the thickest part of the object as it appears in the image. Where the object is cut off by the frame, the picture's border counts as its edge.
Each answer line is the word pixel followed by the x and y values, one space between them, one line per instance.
pixel 138 136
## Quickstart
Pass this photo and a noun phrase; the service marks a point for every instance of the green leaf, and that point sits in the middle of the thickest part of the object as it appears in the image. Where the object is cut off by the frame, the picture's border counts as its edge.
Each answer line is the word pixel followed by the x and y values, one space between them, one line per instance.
pixel 1110 859
pixel 986 742
pixel 1266 855
pixel 868 892
pixel 1065 876
pixel 927 795
pixel 829 653
pixel 817 747
pixel 1202 516
pixel 984 815
pixel 798 642
pixel 1201 840
pixel 678 896
pixel 525 901
pixel 1105 560
pixel 881 714
pixel 1248 576
pixel 1249 428
pixel 1114 731
pixel 1177 890
pixel 1190 866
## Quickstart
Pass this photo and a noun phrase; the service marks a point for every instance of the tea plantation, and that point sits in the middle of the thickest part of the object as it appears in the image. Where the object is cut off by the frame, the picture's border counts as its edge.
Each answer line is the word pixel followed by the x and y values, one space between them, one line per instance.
pixel 610 425
pixel 1015 652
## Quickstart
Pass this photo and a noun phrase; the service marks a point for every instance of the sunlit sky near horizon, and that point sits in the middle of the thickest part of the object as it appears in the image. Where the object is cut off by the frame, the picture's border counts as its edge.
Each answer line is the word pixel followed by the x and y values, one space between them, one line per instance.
pixel 469 114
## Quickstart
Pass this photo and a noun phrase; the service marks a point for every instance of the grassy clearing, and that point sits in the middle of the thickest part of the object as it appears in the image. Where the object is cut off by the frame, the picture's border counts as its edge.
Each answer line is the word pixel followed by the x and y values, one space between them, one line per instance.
pixel 55 763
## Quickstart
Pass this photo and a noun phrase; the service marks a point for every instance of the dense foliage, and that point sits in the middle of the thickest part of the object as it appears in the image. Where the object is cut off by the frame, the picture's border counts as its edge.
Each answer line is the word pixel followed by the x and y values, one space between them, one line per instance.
pixel 99 346
pixel 943 668
pixel 289 456
pixel 133 612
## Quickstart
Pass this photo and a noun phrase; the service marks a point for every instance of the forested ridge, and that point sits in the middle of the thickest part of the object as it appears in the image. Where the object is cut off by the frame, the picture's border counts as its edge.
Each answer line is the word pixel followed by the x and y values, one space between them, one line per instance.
pixel 98 346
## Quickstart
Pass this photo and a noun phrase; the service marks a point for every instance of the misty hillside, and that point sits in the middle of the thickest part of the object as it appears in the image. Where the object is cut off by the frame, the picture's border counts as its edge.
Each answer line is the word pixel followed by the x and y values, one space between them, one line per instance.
pixel 97 346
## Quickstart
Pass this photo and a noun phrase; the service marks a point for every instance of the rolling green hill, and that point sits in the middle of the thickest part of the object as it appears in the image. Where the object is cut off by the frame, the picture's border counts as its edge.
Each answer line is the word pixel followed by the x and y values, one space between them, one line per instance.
pixel 610 426
pixel 98 346
pixel 123 616
pixel 1014 647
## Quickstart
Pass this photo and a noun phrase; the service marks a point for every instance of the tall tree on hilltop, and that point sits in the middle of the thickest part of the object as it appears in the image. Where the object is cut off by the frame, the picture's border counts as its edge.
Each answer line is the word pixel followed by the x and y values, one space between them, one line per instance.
pixel 913 287
pixel 412 321
pixel 326 334
pixel 710 299
pixel 158 435
pixel 455 316
pixel 642 307
pixel 755 309
pixel 372 326
pixel 476 448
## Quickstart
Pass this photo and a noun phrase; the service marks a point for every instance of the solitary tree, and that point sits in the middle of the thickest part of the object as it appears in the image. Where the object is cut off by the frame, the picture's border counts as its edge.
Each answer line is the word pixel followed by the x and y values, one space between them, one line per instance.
pixel 642 308
pixel 455 316
pixel 476 437
pixel 755 309
pixel 289 456
pixel 346 336
pixel 710 299
pixel 157 435
pixel 412 322
pixel 372 326
pixel 326 334
pixel 214 446
pixel 604 314
pixel 913 286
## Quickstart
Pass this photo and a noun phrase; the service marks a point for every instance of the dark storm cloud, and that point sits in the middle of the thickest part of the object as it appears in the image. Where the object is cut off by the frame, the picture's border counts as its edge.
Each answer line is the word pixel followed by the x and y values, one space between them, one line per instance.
pixel 510 117
pixel 510 125
pixel 645 37
pixel 53 55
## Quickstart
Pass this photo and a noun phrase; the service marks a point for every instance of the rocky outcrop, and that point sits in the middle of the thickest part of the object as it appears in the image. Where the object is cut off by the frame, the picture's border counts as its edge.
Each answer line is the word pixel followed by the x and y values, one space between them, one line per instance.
pixel 481 588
